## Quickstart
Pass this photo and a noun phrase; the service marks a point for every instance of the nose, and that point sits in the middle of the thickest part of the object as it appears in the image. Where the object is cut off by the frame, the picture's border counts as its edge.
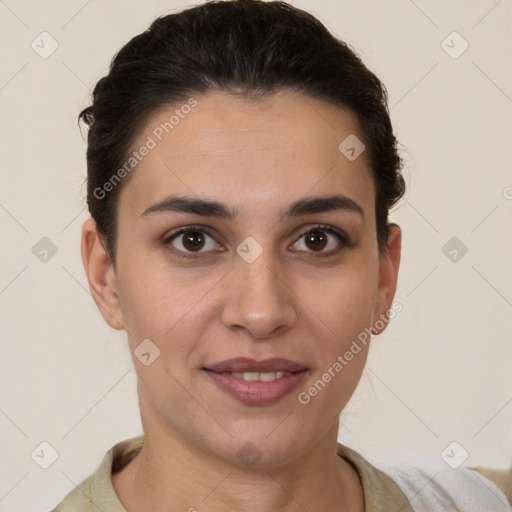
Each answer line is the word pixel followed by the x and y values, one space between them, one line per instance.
pixel 260 298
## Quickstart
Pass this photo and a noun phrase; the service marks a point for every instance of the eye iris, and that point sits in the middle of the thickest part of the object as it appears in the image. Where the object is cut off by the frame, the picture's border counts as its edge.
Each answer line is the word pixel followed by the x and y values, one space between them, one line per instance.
pixel 316 237
pixel 193 240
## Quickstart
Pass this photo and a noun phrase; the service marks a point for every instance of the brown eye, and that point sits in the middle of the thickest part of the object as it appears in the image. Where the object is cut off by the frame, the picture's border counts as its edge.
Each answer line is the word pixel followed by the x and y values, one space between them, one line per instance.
pixel 188 241
pixel 316 240
pixel 193 240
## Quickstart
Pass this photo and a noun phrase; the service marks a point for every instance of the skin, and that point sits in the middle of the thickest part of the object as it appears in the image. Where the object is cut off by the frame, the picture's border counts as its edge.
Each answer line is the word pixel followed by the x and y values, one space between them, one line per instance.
pixel 292 302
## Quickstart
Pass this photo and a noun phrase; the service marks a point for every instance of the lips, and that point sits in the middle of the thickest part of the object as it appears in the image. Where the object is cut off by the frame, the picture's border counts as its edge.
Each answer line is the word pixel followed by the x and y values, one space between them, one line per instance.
pixel 244 364
pixel 257 382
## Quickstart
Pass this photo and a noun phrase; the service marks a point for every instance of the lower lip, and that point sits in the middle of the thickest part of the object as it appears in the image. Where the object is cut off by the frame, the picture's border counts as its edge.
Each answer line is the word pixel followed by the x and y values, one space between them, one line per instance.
pixel 257 392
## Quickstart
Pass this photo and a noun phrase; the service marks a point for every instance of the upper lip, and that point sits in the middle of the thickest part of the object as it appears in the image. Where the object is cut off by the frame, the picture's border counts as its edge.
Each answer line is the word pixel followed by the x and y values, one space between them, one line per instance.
pixel 245 364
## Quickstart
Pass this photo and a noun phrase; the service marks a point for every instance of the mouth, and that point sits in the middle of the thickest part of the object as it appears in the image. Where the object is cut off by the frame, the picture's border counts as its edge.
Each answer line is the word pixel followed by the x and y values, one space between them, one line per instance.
pixel 256 382
pixel 259 376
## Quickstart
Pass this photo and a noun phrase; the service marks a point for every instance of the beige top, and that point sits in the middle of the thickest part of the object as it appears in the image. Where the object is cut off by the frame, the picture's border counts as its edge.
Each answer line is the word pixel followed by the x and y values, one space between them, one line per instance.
pixel 380 491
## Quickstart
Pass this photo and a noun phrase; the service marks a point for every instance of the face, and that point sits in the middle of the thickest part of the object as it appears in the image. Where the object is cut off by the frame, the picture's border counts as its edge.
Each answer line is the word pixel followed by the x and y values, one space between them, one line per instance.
pixel 284 265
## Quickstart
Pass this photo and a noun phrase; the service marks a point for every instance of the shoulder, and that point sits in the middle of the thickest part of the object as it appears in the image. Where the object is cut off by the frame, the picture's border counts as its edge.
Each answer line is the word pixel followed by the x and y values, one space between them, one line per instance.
pixel 96 492
pixel 79 499
pixel 502 478
pixel 381 493
pixel 432 487
pixel 438 488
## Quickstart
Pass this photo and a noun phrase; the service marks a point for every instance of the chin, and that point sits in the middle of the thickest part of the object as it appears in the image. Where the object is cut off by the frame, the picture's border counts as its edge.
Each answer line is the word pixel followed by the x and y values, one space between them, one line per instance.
pixel 261 446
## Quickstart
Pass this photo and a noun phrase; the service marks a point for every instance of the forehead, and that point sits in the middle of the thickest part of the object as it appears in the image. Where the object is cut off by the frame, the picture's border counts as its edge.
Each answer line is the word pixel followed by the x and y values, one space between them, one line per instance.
pixel 251 153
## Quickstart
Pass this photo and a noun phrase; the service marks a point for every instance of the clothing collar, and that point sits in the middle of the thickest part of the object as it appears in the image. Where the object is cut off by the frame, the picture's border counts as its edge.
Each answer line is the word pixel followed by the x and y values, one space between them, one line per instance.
pixel 380 491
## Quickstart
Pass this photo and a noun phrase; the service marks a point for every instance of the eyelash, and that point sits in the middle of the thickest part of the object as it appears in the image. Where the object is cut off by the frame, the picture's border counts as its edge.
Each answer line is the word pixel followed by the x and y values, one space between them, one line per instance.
pixel 342 237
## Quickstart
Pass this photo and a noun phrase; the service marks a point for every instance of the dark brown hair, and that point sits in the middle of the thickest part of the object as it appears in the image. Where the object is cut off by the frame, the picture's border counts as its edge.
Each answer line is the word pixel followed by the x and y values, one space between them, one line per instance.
pixel 247 47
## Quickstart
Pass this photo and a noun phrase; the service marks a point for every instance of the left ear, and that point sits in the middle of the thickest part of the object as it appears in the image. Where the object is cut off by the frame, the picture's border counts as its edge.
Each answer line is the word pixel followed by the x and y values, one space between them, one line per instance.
pixel 389 263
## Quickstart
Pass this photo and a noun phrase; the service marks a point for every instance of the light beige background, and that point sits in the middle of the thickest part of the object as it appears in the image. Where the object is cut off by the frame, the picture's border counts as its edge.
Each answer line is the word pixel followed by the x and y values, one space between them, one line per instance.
pixel 441 372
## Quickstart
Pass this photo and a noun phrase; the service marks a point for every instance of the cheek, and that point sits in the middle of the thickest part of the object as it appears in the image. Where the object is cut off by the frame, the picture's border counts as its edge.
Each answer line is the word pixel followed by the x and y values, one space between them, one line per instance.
pixel 342 308
pixel 344 302
pixel 144 292
pixel 163 304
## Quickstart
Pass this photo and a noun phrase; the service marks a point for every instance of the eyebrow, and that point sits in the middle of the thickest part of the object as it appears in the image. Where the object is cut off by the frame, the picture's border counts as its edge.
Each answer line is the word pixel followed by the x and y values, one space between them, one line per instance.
pixel 208 208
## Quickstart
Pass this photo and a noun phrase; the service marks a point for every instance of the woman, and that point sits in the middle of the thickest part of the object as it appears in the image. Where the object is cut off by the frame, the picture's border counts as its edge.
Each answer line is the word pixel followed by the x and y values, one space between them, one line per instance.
pixel 241 167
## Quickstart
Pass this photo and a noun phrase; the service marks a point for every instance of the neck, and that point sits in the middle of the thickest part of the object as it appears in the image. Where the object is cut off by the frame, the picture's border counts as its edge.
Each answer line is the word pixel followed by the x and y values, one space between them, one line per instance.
pixel 170 473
